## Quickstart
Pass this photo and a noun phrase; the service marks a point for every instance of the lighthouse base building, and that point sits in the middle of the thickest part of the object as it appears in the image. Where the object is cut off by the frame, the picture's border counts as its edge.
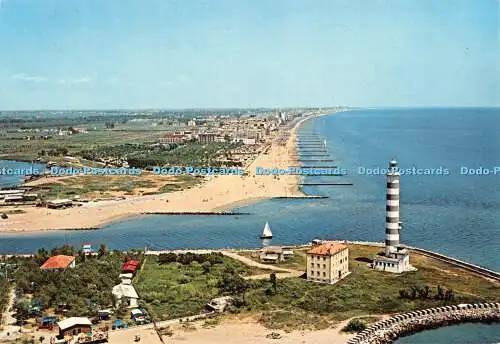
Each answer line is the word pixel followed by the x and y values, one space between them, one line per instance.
pixel 398 262
pixel 395 258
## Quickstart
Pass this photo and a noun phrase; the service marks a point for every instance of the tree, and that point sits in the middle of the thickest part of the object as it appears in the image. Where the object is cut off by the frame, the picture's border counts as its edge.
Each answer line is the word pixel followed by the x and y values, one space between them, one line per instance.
pixel 206 267
pixel 440 293
pixel 41 339
pixel 355 325
pixel 102 251
pixel 21 312
pixel 272 279
pixel 233 283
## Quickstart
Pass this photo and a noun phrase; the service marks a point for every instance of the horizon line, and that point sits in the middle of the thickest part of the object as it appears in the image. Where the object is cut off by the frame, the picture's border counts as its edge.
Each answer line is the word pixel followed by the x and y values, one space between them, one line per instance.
pixel 257 108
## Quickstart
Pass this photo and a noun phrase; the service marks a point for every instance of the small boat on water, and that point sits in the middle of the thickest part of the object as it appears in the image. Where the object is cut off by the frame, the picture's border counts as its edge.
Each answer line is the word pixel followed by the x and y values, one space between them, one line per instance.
pixel 266 233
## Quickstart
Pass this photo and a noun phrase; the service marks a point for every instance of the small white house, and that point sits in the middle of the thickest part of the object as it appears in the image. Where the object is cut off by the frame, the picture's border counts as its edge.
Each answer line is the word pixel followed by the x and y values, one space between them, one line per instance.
pixel 125 293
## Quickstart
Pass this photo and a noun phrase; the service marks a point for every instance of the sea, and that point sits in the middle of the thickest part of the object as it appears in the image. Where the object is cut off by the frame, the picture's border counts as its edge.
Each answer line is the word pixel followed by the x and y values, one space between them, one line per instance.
pixel 450 195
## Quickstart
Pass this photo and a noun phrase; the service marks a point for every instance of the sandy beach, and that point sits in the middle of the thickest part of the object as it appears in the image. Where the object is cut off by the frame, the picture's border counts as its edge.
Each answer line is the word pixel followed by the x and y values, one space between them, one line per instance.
pixel 216 194
pixel 234 332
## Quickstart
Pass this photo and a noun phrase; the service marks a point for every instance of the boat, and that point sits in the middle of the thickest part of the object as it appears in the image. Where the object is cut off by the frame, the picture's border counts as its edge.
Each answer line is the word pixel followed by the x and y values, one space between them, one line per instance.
pixel 266 233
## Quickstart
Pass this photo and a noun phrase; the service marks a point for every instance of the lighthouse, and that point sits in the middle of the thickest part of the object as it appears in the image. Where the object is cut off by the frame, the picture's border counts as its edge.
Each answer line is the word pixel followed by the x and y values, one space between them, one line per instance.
pixel 396 258
pixel 392 220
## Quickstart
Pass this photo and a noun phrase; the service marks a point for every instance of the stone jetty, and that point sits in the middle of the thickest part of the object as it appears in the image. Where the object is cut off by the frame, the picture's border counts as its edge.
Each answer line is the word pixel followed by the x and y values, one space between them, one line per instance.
pixel 387 331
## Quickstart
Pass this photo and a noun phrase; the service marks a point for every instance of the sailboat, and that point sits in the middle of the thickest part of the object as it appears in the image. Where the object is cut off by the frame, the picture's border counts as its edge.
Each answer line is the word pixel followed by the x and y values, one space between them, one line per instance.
pixel 266 233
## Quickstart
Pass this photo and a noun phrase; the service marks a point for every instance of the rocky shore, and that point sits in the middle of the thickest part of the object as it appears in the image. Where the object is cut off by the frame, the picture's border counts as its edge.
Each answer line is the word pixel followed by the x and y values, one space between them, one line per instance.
pixel 401 325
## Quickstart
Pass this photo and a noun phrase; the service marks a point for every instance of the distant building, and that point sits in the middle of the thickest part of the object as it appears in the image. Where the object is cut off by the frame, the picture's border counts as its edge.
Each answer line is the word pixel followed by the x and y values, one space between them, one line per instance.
pixel 206 138
pixel 87 248
pixel 328 262
pixel 174 138
pixel 59 262
pixel 245 140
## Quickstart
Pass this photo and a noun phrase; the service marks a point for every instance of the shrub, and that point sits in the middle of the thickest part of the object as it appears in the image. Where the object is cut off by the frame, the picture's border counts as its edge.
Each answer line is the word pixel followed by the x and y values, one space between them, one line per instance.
pixel 355 325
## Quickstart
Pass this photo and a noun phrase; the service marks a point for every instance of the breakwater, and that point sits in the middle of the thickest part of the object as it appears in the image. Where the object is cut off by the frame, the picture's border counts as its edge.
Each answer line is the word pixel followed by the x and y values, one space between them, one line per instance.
pixel 387 331
pixel 468 266
pixel 191 213
pixel 450 260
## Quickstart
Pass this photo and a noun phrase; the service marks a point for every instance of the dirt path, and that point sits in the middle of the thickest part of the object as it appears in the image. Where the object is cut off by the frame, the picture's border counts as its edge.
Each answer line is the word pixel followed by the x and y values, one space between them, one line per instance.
pixel 8 320
pixel 253 263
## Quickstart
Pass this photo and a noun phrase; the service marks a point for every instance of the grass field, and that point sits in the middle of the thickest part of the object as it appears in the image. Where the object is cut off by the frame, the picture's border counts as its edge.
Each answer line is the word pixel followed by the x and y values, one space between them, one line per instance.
pixel 94 187
pixel 174 290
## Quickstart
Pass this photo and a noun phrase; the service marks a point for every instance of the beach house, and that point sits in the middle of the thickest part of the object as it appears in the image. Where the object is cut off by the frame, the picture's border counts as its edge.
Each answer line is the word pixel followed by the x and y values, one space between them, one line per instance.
pixel 74 326
pixel 125 293
pixel 59 263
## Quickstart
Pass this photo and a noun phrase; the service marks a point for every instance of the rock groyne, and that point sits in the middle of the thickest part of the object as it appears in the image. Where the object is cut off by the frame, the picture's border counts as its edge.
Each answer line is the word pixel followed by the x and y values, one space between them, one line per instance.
pixel 387 331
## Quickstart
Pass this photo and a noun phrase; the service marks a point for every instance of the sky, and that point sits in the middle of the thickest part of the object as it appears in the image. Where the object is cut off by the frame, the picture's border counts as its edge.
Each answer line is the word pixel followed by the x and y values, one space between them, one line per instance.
pixel 104 54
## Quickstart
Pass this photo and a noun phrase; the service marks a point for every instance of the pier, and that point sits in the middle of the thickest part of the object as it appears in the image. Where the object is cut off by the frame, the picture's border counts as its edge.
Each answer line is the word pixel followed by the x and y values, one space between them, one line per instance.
pixel 317 160
pixel 200 213
pixel 326 184
pixel 306 166
pixel 300 197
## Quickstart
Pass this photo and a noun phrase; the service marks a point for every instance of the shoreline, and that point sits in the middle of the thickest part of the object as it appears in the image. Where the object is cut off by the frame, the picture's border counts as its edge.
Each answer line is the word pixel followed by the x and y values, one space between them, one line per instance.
pixel 217 194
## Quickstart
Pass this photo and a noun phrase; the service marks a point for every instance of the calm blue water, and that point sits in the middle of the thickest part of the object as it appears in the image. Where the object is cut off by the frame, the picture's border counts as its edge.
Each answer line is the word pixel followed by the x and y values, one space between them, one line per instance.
pixel 15 178
pixel 459 334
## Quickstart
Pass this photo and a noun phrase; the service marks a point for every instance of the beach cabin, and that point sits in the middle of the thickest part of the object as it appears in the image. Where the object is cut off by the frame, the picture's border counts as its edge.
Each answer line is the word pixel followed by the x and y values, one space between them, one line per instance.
pixel 74 326
pixel 127 294
pixel 130 266
pixel 59 203
pixel 59 263
pixel 272 254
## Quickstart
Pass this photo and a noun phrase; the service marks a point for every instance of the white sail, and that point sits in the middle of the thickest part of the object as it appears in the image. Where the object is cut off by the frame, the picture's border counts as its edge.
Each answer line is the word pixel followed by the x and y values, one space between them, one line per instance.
pixel 324 143
pixel 266 233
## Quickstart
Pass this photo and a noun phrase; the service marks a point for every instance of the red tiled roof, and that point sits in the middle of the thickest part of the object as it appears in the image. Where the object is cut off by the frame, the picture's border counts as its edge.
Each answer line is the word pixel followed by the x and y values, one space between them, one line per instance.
pixel 328 249
pixel 57 262
pixel 131 265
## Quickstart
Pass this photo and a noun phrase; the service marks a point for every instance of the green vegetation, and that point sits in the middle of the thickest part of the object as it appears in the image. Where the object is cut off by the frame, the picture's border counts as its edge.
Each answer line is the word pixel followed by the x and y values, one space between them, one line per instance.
pixel 104 186
pixel 4 295
pixel 180 285
pixel 81 290
pixel 359 324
